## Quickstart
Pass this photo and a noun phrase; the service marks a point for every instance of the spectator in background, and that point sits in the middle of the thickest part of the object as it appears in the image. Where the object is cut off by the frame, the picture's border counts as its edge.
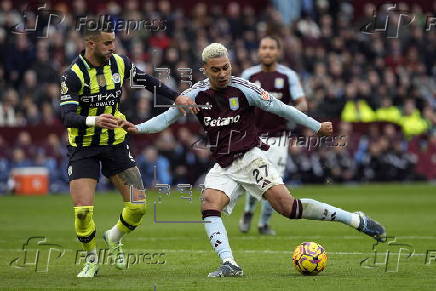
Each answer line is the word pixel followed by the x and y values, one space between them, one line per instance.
pixel 423 151
pixel 401 163
pixel 387 112
pixel 152 165
pixel 372 166
pixel 339 164
pixel 24 142
pixel 347 75
pixel 20 159
pixel 54 148
pixel 20 57
pixel 29 85
pixel 356 108
pixel 4 166
pixel 48 116
pixel 44 70
pixel 42 160
pixel 411 122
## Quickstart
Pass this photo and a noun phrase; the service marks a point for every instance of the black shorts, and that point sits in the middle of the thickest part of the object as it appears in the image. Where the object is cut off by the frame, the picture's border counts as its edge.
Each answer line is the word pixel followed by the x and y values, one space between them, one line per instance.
pixel 84 162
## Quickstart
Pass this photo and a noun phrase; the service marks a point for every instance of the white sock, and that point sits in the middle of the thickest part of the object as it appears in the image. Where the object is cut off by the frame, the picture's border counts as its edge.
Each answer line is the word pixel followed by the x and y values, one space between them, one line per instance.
pixel 316 210
pixel 265 213
pixel 217 234
pixel 115 234
pixel 91 256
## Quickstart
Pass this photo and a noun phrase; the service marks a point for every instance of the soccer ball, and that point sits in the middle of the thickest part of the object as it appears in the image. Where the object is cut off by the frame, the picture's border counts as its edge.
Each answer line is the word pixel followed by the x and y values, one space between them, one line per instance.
pixel 309 258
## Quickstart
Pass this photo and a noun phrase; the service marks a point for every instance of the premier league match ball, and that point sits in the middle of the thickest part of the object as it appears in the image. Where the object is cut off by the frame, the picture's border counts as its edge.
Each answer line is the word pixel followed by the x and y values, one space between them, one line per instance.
pixel 309 258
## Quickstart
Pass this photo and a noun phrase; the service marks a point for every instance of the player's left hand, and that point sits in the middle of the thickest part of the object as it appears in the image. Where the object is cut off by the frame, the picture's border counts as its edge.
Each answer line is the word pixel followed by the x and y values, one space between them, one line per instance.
pixel 184 102
pixel 326 129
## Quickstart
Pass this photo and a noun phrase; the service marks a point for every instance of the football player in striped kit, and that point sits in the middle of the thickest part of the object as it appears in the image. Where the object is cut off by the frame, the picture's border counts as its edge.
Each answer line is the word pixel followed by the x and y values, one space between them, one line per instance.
pixel 91 89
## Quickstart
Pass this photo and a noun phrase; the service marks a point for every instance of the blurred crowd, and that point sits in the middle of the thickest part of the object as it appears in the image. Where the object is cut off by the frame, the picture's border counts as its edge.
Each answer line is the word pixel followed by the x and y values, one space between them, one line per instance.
pixel 182 156
pixel 347 75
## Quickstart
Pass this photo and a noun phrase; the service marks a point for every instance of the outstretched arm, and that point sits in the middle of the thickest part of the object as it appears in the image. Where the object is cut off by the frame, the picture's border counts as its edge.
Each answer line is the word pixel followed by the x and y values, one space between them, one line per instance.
pixel 155 124
pixel 151 83
pixel 291 113
pixel 273 105
pixel 260 98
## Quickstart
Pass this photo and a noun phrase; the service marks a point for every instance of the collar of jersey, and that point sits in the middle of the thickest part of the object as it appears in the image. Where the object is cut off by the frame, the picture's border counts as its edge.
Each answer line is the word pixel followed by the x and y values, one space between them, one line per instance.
pixel 88 65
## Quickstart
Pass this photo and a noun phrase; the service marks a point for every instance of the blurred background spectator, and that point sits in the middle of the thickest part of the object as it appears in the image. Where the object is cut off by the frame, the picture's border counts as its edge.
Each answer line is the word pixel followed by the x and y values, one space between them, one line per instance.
pixel 348 76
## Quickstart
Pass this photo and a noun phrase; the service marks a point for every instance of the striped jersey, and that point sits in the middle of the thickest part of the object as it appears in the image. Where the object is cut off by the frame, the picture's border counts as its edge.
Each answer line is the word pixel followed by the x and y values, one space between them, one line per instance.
pixel 95 90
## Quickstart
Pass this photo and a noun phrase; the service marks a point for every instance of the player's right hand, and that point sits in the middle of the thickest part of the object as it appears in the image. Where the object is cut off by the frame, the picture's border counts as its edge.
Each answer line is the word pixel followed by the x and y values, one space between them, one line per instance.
pixel 184 103
pixel 326 129
pixel 106 121
pixel 129 127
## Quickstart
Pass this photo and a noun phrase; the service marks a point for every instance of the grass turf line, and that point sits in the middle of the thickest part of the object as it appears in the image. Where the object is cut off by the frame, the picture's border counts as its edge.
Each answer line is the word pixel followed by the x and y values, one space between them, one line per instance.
pixel 407 211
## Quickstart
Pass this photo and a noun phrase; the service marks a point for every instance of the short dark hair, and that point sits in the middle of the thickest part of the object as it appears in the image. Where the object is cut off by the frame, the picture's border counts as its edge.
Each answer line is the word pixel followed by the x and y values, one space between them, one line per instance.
pixel 88 33
pixel 273 37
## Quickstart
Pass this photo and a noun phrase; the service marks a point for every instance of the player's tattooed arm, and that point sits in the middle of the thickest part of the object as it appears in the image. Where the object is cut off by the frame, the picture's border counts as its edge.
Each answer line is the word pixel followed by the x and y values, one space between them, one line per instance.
pixel 132 177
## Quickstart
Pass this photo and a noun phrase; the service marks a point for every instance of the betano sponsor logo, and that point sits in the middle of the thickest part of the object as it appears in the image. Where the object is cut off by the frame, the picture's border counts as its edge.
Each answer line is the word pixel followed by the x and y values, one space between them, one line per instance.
pixel 209 121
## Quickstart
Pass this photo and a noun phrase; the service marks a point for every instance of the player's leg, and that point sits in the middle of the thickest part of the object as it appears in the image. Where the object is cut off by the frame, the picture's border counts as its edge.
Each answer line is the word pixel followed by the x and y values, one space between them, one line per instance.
pixel 249 207
pixel 284 203
pixel 213 202
pixel 277 156
pixel 266 212
pixel 120 167
pixel 82 192
pixel 83 173
pixel 129 184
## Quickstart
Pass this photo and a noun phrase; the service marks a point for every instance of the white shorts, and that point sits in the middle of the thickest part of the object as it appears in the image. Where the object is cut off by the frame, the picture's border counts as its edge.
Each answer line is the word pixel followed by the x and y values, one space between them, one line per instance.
pixel 253 173
pixel 277 154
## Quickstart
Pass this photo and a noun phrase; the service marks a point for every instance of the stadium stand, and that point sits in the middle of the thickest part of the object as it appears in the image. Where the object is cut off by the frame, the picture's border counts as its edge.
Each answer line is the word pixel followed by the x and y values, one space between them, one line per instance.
pixel 381 92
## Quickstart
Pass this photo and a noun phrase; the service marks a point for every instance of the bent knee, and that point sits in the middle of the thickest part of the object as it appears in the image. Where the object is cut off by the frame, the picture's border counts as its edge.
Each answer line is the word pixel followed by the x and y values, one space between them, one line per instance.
pixel 213 199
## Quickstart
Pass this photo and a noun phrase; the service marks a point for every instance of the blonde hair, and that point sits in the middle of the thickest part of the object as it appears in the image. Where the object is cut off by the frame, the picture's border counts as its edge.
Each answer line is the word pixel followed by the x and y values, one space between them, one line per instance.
pixel 214 50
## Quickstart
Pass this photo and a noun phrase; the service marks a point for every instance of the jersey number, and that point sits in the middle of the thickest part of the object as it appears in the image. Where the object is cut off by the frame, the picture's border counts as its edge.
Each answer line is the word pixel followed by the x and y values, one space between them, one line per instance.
pixel 258 177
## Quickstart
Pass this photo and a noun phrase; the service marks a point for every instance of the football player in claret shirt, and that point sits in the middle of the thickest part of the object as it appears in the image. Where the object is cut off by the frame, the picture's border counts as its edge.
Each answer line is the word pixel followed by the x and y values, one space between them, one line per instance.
pixel 227 115
pixel 284 84
pixel 91 89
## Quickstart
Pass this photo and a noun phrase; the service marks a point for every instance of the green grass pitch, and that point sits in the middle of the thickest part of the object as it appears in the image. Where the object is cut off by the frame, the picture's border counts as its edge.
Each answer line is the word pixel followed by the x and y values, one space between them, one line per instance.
pixel 407 211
